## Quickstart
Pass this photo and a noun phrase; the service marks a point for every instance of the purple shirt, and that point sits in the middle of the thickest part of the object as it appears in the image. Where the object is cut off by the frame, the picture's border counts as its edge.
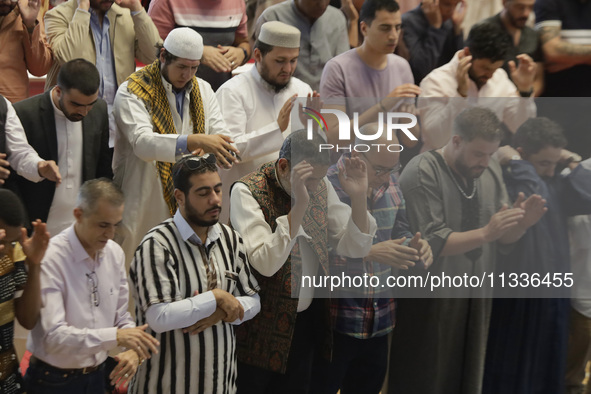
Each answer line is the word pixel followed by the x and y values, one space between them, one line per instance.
pixel 346 75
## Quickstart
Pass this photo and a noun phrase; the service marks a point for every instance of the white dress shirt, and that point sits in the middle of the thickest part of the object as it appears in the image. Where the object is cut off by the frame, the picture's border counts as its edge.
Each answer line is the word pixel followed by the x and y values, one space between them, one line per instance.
pixel 69 153
pixel 138 148
pixel 180 314
pixel 21 156
pixel 440 102
pixel 268 250
pixel 72 332
pixel 250 107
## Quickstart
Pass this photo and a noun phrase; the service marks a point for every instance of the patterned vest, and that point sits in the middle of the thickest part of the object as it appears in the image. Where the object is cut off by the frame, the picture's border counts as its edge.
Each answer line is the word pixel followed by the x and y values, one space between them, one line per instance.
pixel 265 340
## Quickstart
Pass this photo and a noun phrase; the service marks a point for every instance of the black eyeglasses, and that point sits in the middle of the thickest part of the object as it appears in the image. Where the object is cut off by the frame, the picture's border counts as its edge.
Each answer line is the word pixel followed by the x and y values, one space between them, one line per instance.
pixel 194 162
pixel 381 170
pixel 92 281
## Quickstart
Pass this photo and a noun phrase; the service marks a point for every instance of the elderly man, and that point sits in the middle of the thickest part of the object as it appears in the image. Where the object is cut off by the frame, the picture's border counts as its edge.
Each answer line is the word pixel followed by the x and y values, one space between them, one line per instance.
pixel 457 199
pixel 111 36
pixel 163 111
pixel 475 72
pixel 324 34
pixel 69 125
pixel 192 283
pixel 287 242
pixel 24 47
pixel 257 105
pixel 84 297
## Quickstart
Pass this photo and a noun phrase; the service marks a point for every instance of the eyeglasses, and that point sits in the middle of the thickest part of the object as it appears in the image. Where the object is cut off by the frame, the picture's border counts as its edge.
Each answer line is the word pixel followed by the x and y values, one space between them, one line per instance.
pixel 378 170
pixel 92 281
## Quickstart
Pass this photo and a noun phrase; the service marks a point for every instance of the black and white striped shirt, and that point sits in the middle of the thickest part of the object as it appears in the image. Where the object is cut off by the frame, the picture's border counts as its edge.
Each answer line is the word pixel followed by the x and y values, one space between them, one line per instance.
pixel 168 267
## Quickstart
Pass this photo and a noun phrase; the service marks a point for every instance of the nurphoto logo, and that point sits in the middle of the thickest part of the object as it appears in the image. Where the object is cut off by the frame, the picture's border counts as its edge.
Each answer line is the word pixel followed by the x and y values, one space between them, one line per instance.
pixel 387 122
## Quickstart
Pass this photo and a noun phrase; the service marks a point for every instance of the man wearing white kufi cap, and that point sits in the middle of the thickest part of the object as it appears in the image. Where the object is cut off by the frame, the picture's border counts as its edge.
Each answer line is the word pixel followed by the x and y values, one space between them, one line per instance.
pixel 257 104
pixel 163 112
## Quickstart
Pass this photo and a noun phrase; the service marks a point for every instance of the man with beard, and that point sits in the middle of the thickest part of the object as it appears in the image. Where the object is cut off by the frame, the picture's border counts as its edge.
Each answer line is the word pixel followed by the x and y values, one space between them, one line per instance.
pixel 69 125
pixel 475 72
pixel 512 20
pixel 163 112
pixel 289 215
pixel 192 282
pixel 529 355
pixel 110 36
pixel 456 198
pixel 24 48
pixel 257 105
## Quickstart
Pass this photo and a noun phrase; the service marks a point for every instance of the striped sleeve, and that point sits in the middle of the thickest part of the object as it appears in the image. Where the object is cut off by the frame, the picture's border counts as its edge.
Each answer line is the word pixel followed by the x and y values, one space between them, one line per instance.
pixel 154 274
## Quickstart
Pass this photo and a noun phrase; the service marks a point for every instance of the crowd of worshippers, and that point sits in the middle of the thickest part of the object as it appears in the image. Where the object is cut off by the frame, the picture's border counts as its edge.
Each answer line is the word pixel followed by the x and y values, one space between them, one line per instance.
pixel 156 222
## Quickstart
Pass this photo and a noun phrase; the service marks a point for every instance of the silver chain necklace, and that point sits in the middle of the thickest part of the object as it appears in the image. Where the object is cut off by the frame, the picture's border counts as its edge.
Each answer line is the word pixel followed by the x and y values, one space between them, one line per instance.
pixel 449 170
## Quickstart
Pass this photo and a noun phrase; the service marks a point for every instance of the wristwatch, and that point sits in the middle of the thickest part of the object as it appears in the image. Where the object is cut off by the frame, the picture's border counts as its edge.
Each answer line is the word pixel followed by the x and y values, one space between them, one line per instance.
pixel 526 94
pixel 245 56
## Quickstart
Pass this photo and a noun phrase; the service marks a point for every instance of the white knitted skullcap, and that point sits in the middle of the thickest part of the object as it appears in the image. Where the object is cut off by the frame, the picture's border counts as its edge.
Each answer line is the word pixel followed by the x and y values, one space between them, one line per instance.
pixel 185 43
pixel 279 34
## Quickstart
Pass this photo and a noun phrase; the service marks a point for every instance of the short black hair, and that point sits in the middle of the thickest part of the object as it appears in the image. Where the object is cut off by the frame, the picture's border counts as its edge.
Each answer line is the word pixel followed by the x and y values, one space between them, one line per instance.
pixel 168 57
pixel 263 47
pixel 371 7
pixel 297 147
pixel 182 172
pixel 12 213
pixel 81 75
pixel 488 41
pixel 478 122
pixel 537 133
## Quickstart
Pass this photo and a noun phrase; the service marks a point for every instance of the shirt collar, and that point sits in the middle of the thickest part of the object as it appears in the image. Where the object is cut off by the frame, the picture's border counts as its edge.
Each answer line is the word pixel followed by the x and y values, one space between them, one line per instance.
pixel 168 86
pixel 187 233
pixel 78 252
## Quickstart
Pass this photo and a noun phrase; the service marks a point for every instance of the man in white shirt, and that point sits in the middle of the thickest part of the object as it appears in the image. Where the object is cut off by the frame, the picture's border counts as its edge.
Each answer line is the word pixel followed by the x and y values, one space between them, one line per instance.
pixel 163 111
pixel 192 283
pixel 257 104
pixel 475 73
pixel 68 124
pixel 286 243
pixel 84 303
pixel 16 152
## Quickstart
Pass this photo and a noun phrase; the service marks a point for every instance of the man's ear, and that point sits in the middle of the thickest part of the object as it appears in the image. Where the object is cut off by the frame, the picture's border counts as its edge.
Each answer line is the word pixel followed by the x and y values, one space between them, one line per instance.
pixel 180 197
pixel 161 57
pixel 363 26
pixel 78 213
pixel 467 51
pixel 456 140
pixel 258 57
pixel 520 150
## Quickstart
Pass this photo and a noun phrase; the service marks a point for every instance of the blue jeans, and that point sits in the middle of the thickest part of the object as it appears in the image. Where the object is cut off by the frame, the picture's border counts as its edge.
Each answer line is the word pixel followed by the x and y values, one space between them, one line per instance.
pixel 43 379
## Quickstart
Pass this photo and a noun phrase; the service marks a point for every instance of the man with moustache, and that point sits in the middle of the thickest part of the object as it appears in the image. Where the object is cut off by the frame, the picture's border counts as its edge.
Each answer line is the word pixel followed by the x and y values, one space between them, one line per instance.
pixel 364 316
pixel 433 34
pixel 257 105
pixel 512 20
pixel 287 242
pixel 192 283
pixel 24 48
pixel 111 36
pixel 456 198
pixel 163 112
pixel 69 125
pixel 475 72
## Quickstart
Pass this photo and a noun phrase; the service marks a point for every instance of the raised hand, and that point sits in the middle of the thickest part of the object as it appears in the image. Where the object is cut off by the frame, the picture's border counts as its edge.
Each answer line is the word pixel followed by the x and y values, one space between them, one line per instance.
pixel 298 177
pixel 217 144
pixel 354 179
pixel 34 248
pixel 523 76
pixel 393 253
pixel 132 5
pixel 535 208
pixel 462 76
pixel 285 112
pixel 424 249
pixel 432 13
pixel 29 9
pixel 501 222
pixel 459 15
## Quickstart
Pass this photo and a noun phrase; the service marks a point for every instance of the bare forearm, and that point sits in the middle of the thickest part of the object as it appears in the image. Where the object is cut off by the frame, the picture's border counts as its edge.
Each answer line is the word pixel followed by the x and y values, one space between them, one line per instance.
pixel 359 213
pixel 556 50
pixel 459 243
pixel 27 307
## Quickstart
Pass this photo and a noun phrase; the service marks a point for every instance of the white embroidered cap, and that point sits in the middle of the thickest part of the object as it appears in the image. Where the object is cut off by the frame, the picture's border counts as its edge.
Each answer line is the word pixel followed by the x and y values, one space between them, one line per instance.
pixel 185 43
pixel 279 34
